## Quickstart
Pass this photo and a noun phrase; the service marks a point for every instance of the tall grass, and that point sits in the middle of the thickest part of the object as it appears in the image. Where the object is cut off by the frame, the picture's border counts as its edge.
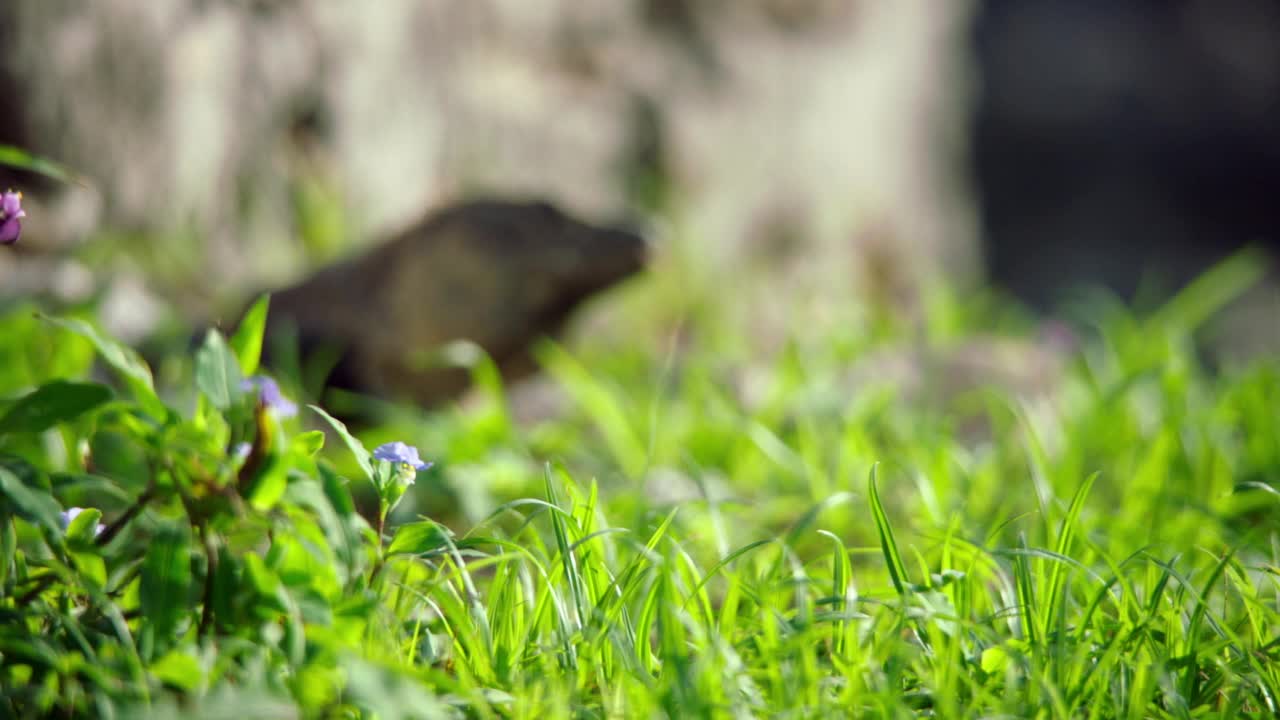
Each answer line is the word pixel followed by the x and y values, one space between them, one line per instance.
pixel 709 531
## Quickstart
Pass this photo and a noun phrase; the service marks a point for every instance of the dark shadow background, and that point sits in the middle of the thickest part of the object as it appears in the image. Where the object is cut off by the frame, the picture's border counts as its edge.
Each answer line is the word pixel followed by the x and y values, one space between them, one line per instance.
pixel 1117 142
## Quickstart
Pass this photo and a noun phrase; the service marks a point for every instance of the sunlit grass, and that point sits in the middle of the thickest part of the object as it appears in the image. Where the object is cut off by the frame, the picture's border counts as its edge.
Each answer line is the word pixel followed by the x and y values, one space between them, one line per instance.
pixel 711 526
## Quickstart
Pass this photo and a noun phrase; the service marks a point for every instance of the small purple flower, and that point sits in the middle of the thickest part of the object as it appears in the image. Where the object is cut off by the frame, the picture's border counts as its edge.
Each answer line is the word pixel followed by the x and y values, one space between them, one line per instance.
pixel 398 452
pixel 241 451
pixel 70 514
pixel 269 395
pixel 11 214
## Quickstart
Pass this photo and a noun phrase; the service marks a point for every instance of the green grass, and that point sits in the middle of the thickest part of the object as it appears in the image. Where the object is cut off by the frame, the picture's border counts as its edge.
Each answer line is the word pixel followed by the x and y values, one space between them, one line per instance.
pixel 718 524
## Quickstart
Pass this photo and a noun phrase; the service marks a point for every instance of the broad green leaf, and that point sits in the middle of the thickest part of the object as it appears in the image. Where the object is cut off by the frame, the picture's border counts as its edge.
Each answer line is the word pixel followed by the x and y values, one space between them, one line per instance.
pixel 995 660
pixel 122 456
pixel 123 360
pixel 84 527
pixel 86 490
pixel 307 444
pixel 246 343
pixel 217 371
pixel 34 651
pixel 32 504
pixel 32 356
pixel 419 538
pixel 8 545
pixel 52 403
pixel 336 489
pixel 92 567
pixel 357 447
pixel 269 483
pixel 271 598
pixel 179 669
pixel 166 579
pixel 227 585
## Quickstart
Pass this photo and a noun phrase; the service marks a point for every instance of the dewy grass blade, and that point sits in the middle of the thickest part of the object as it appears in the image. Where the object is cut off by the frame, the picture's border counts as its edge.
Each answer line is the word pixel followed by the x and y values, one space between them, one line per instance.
pixel 841 590
pixel 1056 594
pixel 888 545
pixel 715 570
pixel 564 544
pixel 1030 619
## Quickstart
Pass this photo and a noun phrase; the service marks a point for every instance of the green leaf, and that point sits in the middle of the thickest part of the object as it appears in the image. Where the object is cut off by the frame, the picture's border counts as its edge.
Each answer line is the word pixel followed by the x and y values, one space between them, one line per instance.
pixel 307 444
pixel 994 660
pixel 246 343
pixel 92 568
pixel 179 669
pixel 8 545
pixel 227 585
pixel 268 484
pixel 336 490
pixel 86 490
pixel 29 503
pixel 419 538
pixel 218 371
pixel 121 455
pixel 1213 290
pixel 271 598
pixel 52 403
pixel 123 360
pixel 166 579
pixel 19 158
pixel 388 693
pixel 84 527
pixel 357 447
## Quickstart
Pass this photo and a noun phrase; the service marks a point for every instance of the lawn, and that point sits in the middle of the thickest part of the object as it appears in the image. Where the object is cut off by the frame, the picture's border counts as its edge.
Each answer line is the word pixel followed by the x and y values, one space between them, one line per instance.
pixel 713 522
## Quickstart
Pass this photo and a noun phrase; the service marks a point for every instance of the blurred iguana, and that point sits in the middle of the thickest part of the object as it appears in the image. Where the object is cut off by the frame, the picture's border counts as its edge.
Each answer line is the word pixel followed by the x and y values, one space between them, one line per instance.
pixel 498 274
